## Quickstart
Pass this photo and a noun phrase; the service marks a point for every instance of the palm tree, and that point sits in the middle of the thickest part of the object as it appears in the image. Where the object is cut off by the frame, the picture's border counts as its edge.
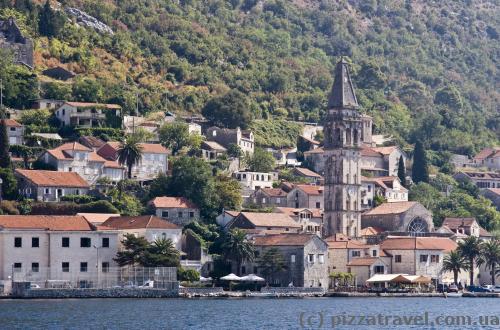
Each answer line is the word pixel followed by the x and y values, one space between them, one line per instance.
pixel 129 154
pixel 490 256
pixel 161 253
pixel 470 249
pixel 237 248
pixel 454 262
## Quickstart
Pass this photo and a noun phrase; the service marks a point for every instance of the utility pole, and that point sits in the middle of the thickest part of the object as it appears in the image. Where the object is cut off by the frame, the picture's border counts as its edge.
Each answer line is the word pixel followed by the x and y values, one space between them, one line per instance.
pixel 1 94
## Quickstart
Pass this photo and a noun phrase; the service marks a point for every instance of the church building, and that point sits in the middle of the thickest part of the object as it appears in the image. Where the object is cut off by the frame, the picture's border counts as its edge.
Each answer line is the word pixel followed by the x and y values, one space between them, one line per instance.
pixel 342 151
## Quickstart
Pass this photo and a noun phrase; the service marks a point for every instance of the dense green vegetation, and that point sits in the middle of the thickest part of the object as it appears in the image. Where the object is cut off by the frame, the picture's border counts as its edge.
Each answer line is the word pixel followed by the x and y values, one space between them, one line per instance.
pixel 425 70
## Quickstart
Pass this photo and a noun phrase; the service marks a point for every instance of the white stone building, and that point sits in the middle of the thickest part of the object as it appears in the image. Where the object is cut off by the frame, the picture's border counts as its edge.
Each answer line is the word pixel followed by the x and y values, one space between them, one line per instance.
pixel 15 132
pixel 84 114
pixel 65 250
pixel 178 210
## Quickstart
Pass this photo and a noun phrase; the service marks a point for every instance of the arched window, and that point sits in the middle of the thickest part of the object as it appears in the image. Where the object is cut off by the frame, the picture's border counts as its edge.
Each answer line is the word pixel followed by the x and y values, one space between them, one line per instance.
pixel 348 136
pixel 355 137
pixel 418 225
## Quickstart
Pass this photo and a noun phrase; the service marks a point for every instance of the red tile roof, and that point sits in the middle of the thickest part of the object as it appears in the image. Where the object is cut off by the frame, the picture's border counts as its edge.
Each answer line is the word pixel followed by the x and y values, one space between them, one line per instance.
pixel 369 152
pixel 283 240
pixel 482 175
pixel 274 192
pixel 370 231
pixel 454 223
pixel 45 222
pixel 11 123
pixel 291 211
pixel 173 202
pixel 485 153
pixel 385 150
pixel 418 243
pixel 302 171
pixel 391 208
pixel 311 190
pixel 364 261
pixel 110 149
pixel 139 222
pixel 54 178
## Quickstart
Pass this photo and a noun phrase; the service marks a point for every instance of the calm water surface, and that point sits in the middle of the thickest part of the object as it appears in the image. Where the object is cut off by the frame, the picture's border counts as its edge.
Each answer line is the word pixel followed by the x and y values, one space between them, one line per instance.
pixel 234 313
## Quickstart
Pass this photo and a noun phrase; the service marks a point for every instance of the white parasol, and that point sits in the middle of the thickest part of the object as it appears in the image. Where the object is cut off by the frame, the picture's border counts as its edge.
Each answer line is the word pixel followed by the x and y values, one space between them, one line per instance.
pixel 252 278
pixel 231 277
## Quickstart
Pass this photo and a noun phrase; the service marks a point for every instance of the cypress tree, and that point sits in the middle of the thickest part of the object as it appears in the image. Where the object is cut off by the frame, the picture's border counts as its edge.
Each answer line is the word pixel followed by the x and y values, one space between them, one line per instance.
pixel 402 171
pixel 45 20
pixel 4 145
pixel 420 169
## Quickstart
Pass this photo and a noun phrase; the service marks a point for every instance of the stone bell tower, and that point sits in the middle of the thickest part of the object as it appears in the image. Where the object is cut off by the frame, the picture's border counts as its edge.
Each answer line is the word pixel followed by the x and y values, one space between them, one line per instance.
pixel 342 131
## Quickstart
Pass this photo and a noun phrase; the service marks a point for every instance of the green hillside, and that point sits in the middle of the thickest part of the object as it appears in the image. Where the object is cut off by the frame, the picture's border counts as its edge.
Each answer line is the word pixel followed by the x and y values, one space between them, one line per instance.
pixel 424 69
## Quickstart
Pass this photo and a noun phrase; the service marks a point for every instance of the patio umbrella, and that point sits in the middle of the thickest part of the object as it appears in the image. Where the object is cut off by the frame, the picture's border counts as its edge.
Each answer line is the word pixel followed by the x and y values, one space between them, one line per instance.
pixel 205 279
pixel 252 278
pixel 231 277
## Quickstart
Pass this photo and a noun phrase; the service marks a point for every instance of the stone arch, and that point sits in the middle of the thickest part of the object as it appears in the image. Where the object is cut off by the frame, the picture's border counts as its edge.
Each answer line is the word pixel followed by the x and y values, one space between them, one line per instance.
pixel 355 136
pixel 418 225
pixel 348 136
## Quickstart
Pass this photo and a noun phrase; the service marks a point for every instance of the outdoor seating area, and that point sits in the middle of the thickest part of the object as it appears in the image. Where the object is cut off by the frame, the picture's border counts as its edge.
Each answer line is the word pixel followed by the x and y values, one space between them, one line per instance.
pixel 400 283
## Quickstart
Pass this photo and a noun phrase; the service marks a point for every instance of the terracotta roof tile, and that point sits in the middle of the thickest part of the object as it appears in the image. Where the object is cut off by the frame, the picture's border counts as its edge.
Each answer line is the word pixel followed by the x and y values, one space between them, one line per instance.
pixel 46 222
pixel 368 261
pixel 391 208
pixel 274 192
pixel 139 222
pixel 454 223
pixel 291 211
pixel 283 240
pixel 302 171
pixel 53 178
pixel 485 153
pixel 97 218
pixel 481 175
pixel 370 231
pixel 12 123
pixel 385 150
pixel 212 145
pixel 173 202
pixel 418 243
pixel 311 190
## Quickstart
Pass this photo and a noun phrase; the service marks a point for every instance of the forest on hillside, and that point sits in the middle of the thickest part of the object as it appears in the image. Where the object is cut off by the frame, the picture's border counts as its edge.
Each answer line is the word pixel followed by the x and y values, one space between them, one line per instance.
pixel 424 69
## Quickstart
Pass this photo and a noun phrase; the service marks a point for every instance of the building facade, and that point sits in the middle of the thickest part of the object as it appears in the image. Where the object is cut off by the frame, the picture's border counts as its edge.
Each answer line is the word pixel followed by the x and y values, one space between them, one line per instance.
pixel 83 114
pixel 226 137
pixel 343 129
pixel 15 132
pixel 49 186
pixel 178 210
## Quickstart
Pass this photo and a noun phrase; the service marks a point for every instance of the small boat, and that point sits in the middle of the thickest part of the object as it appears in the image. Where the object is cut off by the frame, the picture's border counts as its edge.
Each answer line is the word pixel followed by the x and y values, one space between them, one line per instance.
pixel 454 294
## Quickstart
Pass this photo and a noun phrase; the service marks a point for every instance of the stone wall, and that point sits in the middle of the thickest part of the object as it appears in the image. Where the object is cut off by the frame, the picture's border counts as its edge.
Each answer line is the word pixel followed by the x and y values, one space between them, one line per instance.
pixel 171 292
pixel 290 290
pixel 201 291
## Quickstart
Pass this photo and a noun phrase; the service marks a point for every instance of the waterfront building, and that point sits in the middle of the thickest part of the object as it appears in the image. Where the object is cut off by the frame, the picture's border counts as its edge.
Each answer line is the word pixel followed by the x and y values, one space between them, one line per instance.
pixel 66 250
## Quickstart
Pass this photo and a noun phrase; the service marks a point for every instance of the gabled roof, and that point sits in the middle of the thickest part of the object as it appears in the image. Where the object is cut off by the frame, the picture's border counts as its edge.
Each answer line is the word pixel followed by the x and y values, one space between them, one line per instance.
pixel 45 222
pixel 54 178
pixel 418 243
pixel 291 211
pixel 391 208
pixel 274 192
pixel 310 190
pixel 370 231
pixel 139 222
pixel 110 149
pixel 212 145
pixel 385 150
pixel 269 219
pixel 91 141
pixel 305 172
pixel 347 244
pixel 283 240
pixel 342 94
pixel 385 182
pixel 369 152
pixel 485 153
pixel 495 191
pixel 11 123
pixel 481 175
pixel 91 105
pixel 455 223
pixel 97 218
pixel 173 202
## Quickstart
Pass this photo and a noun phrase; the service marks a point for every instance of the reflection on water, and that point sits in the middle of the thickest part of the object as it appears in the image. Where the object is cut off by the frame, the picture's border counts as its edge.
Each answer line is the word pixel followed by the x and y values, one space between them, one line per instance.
pixel 248 313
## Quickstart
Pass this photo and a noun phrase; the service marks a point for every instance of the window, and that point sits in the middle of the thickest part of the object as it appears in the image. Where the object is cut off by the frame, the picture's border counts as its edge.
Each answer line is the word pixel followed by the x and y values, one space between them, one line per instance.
pixel 65 242
pixel 318 205
pixel 321 258
pixel 105 267
pixel 85 242
pixel 292 258
pixel 35 267
pixel 369 188
pixel 397 258
pixel 356 253
pixel 435 258
pixel 35 242
pixel 243 270
pixel 65 267
pixel 423 257
pixel 18 266
pixel 12 129
pixel 164 214
pixel 379 269
pixel 47 191
pixel 83 267
pixel 263 200
pixel 374 253
pixel 18 242
pixel 311 258
pixel 105 242
pixel 278 200
pixel 179 214
pixel 191 214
